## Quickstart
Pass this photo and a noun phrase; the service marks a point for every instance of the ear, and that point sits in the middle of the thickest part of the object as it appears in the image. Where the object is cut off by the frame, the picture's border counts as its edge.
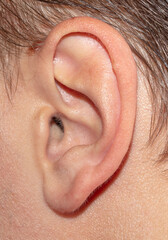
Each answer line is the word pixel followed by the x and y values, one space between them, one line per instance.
pixel 87 72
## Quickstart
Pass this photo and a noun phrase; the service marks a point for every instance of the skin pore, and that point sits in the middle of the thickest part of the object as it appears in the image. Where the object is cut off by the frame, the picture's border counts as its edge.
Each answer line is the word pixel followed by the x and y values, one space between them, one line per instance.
pixel 131 204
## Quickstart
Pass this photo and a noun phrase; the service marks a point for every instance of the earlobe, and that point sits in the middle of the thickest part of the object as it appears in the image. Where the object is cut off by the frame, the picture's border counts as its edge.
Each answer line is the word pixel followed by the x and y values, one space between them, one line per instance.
pixel 95 78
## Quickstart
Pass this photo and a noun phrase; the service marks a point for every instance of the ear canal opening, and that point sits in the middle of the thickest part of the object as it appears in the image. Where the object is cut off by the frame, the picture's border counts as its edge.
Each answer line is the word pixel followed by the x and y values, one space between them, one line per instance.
pixel 58 122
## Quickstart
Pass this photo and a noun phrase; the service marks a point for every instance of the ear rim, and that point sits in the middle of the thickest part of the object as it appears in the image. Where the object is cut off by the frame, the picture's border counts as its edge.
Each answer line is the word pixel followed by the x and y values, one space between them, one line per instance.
pixel 87 25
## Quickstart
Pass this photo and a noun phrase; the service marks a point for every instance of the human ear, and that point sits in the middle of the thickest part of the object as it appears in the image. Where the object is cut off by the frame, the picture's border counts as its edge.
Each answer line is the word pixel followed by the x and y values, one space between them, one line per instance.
pixel 88 76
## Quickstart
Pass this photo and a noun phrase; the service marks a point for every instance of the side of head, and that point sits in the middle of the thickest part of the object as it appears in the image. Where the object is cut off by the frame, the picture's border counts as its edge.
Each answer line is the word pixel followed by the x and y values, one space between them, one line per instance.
pixel 83 121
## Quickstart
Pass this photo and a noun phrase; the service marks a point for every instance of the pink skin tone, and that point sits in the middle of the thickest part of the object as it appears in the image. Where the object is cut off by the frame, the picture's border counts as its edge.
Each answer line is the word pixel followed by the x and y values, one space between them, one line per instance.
pixel 86 75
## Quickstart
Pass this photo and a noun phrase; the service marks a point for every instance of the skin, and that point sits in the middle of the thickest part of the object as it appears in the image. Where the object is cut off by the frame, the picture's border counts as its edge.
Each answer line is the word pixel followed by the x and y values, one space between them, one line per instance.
pixel 131 205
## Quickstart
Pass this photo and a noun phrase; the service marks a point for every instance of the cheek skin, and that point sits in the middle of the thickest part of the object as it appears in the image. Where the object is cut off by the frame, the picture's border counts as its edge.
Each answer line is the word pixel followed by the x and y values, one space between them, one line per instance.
pixel 19 186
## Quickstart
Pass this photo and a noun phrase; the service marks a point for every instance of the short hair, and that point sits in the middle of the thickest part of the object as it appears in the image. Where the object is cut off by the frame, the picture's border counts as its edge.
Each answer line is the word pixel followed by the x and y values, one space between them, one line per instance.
pixel 143 24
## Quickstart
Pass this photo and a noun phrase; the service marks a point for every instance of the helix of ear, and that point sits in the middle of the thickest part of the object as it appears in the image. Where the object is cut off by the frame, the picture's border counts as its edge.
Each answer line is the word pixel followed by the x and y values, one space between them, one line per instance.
pixel 93 110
